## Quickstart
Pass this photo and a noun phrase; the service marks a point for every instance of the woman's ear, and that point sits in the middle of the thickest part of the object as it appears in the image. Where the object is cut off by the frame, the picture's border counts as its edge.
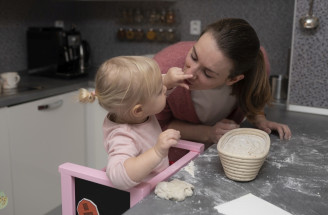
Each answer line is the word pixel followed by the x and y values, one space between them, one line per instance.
pixel 235 79
pixel 137 111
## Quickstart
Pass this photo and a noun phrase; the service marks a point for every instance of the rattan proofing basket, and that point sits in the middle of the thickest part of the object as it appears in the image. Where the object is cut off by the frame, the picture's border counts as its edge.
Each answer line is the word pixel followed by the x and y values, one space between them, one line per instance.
pixel 243 167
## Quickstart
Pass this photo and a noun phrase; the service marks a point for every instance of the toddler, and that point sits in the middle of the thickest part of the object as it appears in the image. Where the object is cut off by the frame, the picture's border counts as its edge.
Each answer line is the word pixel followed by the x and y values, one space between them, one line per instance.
pixel 132 90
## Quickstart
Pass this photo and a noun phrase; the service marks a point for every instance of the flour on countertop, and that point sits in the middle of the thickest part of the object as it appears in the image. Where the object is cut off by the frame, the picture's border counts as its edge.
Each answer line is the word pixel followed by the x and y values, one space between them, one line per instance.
pixel 190 168
pixel 290 159
pixel 299 185
pixel 276 164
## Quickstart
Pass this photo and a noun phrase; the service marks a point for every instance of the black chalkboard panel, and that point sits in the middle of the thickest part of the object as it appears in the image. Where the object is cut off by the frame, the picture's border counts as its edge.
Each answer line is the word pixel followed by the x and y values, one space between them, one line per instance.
pixel 107 200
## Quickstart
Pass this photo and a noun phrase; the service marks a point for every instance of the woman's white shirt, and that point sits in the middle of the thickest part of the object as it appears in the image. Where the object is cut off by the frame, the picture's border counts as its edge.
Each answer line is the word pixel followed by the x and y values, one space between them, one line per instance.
pixel 213 105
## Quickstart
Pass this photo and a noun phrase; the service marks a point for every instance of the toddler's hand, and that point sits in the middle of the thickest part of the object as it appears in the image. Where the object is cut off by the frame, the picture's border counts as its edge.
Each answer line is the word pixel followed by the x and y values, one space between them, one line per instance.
pixel 175 77
pixel 166 139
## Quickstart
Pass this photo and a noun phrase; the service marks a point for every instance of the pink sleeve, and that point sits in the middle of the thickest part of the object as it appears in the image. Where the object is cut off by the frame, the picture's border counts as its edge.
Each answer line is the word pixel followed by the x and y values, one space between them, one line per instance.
pixel 120 148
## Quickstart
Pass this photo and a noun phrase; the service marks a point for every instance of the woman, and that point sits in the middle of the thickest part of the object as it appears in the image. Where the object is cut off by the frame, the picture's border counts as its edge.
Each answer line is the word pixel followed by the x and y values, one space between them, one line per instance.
pixel 229 82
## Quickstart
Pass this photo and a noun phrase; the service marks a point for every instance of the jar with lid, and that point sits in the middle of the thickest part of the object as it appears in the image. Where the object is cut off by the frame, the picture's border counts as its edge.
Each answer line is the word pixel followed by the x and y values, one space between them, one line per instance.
pixel 170 35
pixel 151 34
pixel 163 16
pixel 160 37
pixel 124 16
pixel 130 16
pixel 138 17
pixel 139 34
pixel 153 16
pixel 170 17
pixel 120 34
pixel 129 34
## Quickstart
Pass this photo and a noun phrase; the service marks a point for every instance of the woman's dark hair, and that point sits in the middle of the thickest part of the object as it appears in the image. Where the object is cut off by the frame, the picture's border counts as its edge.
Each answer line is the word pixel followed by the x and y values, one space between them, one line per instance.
pixel 238 41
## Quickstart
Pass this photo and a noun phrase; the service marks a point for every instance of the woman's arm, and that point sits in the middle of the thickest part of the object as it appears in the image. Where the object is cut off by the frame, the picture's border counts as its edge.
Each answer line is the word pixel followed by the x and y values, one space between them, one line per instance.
pixel 262 123
pixel 202 133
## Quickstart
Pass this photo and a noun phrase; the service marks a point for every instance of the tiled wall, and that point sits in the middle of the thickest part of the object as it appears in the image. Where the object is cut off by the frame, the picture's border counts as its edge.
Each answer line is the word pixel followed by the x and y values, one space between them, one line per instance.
pixel 308 84
pixel 97 20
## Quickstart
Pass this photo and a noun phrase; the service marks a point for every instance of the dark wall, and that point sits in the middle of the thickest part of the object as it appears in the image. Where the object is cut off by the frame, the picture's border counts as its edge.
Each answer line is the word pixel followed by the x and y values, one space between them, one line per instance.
pixel 98 22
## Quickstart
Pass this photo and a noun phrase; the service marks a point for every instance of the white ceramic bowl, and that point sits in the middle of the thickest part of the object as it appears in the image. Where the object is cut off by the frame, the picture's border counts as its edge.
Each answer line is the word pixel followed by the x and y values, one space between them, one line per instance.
pixel 242 152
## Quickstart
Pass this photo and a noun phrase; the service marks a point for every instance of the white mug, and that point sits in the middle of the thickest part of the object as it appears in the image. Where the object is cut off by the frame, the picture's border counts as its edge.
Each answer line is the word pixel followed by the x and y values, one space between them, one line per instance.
pixel 9 80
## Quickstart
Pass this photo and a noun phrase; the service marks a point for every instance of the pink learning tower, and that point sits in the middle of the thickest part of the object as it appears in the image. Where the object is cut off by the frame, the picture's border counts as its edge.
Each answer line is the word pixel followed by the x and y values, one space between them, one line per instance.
pixel 70 171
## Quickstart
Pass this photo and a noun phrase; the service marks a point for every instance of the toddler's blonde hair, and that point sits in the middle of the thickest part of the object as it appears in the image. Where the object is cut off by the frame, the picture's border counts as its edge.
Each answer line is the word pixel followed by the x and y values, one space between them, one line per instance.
pixel 123 82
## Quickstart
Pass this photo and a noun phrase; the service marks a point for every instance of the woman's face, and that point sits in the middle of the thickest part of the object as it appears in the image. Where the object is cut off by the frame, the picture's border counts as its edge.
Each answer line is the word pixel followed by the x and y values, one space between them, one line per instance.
pixel 209 67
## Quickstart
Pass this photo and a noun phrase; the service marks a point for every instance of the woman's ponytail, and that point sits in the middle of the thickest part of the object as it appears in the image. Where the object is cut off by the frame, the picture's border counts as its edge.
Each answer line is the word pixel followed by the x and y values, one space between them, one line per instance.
pixel 258 92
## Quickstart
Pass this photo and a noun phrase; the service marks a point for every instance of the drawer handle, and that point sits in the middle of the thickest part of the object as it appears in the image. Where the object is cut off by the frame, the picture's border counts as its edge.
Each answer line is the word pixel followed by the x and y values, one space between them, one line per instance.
pixel 51 106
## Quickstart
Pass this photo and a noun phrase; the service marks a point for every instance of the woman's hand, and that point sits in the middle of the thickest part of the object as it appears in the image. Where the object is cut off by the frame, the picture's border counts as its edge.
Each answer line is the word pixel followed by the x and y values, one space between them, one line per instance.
pixel 220 128
pixel 175 77
pixel 262 123
pixel 166 139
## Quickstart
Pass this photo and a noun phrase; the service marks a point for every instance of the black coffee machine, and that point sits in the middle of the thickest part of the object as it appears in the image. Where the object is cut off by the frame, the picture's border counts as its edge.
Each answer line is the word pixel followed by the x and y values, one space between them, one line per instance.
pixel 52 51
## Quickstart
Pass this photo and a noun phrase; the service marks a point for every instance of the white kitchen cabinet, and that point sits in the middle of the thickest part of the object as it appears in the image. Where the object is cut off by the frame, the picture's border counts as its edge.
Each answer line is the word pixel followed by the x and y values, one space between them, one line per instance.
pixel 44 134
pixel 96 154
pixel 5 172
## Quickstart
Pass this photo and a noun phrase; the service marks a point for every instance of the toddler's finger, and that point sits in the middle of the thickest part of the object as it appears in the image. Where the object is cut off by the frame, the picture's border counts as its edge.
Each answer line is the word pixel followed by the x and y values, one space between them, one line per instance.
pixel 172 142
pixel 186 76
pixel 186 86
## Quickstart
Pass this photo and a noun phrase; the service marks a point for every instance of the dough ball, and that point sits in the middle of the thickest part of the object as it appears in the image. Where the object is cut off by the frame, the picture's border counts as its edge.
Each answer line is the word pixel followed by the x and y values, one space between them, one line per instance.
pixel 176 190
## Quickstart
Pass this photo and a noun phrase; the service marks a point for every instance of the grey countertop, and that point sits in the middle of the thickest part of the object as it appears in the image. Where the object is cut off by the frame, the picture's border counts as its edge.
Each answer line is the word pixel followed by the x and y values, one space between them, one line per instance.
pixel 294 176
pixel 32 87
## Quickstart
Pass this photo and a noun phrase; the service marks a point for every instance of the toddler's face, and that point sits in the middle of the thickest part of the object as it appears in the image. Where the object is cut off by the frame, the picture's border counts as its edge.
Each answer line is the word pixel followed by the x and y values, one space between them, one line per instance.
pixel 156 103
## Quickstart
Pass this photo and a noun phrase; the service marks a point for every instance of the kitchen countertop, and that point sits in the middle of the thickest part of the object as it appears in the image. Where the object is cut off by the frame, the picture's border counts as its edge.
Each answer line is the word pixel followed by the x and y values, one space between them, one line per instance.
pixel 33 87
pixel 294 176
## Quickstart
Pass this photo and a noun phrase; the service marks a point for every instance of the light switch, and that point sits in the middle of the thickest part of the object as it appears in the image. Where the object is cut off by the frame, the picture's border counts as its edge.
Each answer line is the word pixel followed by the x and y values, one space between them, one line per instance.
pixel 195 27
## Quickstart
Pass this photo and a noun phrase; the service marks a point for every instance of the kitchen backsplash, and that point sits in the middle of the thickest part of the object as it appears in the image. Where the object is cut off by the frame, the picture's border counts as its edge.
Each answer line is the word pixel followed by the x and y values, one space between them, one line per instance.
pixel 308 84
pixel 98 23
